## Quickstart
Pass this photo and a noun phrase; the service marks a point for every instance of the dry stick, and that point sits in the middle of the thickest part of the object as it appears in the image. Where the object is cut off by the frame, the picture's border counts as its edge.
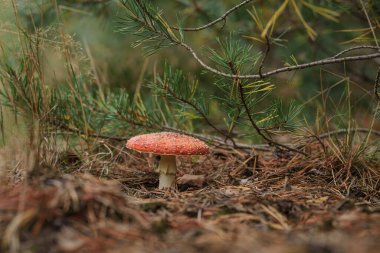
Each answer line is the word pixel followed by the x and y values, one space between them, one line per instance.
pixel 221 18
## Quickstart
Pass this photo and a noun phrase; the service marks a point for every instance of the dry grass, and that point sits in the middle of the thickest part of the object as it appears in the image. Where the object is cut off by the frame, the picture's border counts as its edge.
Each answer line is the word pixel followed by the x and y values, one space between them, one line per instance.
pixel 268 203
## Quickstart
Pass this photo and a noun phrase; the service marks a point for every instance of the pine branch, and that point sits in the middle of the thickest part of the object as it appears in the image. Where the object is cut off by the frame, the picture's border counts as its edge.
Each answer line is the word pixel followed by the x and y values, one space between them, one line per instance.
pixel 326 61
pixel 221 18
pixel 355 48
pixel 147 24
pixel 196 108
pixel 257 128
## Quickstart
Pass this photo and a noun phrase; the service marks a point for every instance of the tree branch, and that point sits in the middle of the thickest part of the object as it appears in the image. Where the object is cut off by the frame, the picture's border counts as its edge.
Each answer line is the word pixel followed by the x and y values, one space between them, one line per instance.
pixel 198 110
pixel 221 18
pixel 257 128
pixel 355 48
pixel 280 70
pixel 326 61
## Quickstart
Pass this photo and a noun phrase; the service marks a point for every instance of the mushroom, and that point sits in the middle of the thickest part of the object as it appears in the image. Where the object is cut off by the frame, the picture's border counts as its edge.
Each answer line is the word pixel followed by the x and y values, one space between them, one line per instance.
pixel 167 145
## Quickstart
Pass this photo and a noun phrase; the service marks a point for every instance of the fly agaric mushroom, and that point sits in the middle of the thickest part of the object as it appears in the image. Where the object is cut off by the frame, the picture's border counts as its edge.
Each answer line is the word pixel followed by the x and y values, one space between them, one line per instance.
pixel 167 146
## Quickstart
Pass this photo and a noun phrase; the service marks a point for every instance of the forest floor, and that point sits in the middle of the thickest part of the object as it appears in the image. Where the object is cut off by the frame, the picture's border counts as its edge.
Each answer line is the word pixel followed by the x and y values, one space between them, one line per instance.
pixel 236 203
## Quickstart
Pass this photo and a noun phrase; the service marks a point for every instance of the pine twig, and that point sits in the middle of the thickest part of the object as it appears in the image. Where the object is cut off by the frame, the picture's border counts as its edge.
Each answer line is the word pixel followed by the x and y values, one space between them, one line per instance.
pixel 197 109
pixel 257 128
pixel 353 49
pixel 252 121
pixel 221 18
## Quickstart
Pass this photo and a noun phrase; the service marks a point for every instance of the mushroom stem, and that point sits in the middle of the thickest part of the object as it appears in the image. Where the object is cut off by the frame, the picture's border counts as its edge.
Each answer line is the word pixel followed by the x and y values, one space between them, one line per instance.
pixel 167 168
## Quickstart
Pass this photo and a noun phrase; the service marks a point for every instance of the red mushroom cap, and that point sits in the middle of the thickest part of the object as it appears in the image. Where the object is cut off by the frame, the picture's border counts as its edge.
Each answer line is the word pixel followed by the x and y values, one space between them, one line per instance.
pixel 167 143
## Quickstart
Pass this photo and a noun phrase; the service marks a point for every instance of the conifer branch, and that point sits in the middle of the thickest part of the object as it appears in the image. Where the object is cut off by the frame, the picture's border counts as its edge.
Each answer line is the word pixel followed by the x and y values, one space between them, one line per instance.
pixel 221 18
pixel 168 36
pixel 355 48
pixel 195 107
pixel 257 128
pixel 322 62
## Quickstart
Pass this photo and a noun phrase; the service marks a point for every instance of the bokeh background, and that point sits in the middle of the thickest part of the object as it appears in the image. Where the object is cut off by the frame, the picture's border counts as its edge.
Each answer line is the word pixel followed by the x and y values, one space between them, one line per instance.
pixel 343 92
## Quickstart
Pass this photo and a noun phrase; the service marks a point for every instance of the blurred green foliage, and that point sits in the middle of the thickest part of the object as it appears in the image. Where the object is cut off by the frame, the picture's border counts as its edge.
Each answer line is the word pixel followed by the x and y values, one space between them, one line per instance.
pixel 83 51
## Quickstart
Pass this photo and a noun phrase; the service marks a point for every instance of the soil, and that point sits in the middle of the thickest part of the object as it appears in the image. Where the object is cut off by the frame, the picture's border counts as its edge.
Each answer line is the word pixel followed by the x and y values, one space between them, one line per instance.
pixel 239 202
